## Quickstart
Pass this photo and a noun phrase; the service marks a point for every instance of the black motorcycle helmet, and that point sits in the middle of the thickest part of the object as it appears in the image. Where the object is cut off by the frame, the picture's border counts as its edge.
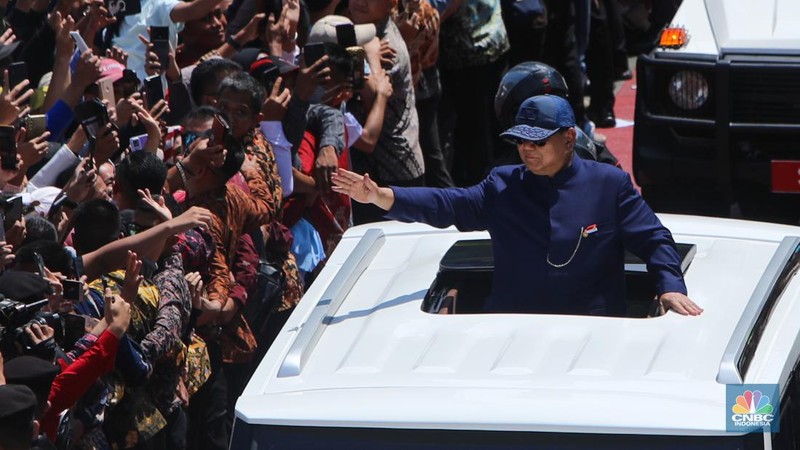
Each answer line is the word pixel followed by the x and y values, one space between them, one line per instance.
pixel 524 81
pixel 531 78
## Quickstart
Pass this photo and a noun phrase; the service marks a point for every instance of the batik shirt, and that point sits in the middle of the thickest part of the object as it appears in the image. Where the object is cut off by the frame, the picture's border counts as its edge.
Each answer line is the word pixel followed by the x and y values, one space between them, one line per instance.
pixel 473 36
pixel 164 344
pixel 397 155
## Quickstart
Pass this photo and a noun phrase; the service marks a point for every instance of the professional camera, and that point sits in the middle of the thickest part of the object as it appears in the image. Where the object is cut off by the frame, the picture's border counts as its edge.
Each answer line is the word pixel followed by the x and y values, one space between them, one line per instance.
pixel 16 316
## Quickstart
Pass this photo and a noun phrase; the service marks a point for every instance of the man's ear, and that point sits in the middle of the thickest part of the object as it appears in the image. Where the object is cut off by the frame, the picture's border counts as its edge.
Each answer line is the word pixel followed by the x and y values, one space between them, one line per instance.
pixel 569 138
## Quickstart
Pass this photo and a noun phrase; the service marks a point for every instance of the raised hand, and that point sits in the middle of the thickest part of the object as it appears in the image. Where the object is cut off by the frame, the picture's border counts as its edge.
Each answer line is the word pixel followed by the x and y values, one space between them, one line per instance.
pixel 130 285
pixel 277 104
pixel 159 206
pixel 360 188
pixel 11 101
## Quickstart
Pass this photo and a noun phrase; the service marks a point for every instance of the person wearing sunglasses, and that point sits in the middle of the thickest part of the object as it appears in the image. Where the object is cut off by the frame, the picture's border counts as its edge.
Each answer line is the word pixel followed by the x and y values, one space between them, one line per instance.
pixel 559 224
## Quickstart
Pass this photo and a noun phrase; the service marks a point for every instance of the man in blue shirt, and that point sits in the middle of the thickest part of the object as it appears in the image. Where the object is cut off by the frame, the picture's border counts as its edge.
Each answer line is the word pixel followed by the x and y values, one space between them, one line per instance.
pixel 559 224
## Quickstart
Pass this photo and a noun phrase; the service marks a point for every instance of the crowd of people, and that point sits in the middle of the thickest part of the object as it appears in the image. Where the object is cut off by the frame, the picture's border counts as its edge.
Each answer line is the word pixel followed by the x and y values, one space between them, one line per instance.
pixel 168 169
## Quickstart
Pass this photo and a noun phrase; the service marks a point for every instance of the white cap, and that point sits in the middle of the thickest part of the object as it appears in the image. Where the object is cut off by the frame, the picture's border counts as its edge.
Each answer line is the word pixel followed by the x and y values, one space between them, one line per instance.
pixel 324 30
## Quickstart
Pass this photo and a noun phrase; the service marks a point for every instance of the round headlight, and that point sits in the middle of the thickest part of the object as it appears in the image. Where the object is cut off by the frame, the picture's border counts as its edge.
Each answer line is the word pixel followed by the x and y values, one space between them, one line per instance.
pixel 688 90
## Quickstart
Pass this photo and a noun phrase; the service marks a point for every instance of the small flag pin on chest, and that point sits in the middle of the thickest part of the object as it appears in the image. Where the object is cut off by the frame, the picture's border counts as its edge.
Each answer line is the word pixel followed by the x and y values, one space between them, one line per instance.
pixel 589 230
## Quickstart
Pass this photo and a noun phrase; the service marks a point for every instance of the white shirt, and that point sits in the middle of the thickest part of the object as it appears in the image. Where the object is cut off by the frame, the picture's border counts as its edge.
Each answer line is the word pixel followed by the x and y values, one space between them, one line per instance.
pixel 273 131
pixel 154 13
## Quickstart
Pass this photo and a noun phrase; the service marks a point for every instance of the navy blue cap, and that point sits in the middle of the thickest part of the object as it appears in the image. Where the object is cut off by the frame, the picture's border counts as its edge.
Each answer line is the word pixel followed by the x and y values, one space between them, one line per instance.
pixel 540 117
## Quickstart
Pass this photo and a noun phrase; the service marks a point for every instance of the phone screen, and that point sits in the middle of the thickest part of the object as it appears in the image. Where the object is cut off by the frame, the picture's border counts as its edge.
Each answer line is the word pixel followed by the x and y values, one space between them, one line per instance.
pixel 73 290
pixel 8 148
pixel 13 210
pixel 159 36
pixel 17 73
pixel 74 329
pixel 269 77
pixel 313 52
pixel 154 90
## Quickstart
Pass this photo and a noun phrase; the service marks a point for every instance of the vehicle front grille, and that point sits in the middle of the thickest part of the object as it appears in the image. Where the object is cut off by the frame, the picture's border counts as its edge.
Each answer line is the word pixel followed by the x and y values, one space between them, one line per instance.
pixel 765 94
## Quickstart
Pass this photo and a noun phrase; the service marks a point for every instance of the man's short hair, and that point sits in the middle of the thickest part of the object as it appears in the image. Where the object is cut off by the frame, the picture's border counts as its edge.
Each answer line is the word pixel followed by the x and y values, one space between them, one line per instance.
pixel 140 170
pixel 203 113
pixel 209 74
pixel 96 223
pixel 37 228
pixel 54 255
pixel 243 83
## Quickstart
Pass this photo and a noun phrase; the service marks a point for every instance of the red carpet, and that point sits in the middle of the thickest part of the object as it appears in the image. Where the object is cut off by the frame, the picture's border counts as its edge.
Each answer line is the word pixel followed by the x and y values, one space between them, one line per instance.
pixel 620 139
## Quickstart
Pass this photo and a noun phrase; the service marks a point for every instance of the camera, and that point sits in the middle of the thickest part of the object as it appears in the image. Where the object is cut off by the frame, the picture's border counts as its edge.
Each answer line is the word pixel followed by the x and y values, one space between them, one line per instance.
pixel 16 316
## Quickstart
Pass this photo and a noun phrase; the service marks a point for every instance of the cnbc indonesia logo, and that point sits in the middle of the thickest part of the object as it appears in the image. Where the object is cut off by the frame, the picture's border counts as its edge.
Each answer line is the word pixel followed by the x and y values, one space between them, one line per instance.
pixel 752 409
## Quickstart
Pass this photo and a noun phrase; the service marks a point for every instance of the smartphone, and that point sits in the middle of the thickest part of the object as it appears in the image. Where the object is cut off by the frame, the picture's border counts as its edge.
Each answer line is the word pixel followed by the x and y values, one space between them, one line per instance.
pixel 39 263
pixel 93 116
pixel 8 148
pixel 346 35
pixel 357 57
pixel 36 124
pixel 76 36
pixel 106 88
pixel 74 328
pixel 221 130
pixel 153 90
pixel 269 77
pixel 159 36
pixel 73 290
pixel 138 143
pixel 17 73
pixel 12 209
pixel 180 103
pixel 313 52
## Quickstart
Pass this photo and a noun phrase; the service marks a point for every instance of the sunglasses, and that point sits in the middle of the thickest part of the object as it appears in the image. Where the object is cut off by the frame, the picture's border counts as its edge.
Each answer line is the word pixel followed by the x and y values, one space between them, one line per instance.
pixel 519 141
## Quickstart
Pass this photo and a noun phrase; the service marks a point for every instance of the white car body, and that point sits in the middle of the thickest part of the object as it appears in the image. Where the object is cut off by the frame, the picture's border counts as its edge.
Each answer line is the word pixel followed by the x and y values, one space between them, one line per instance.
pixel 360 353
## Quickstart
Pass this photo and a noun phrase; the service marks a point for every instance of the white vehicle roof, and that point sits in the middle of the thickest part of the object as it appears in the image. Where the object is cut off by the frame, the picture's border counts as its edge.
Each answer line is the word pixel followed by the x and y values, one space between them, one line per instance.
pixel 747 27
pixel 359 352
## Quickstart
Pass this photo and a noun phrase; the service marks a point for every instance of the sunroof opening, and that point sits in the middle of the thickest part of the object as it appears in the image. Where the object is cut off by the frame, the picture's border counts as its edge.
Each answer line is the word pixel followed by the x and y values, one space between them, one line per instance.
pixel 464 281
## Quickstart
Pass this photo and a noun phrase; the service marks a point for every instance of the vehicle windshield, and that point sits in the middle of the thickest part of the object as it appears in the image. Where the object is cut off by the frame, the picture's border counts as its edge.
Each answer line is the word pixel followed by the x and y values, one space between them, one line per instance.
pixel 310 438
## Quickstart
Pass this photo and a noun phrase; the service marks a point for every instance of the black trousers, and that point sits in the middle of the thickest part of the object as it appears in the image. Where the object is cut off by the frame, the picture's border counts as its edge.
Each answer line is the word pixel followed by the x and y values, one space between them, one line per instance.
pixel 600 60
pixel 554 45
pixel 468 127
pixel 208 424
pixel 437 173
